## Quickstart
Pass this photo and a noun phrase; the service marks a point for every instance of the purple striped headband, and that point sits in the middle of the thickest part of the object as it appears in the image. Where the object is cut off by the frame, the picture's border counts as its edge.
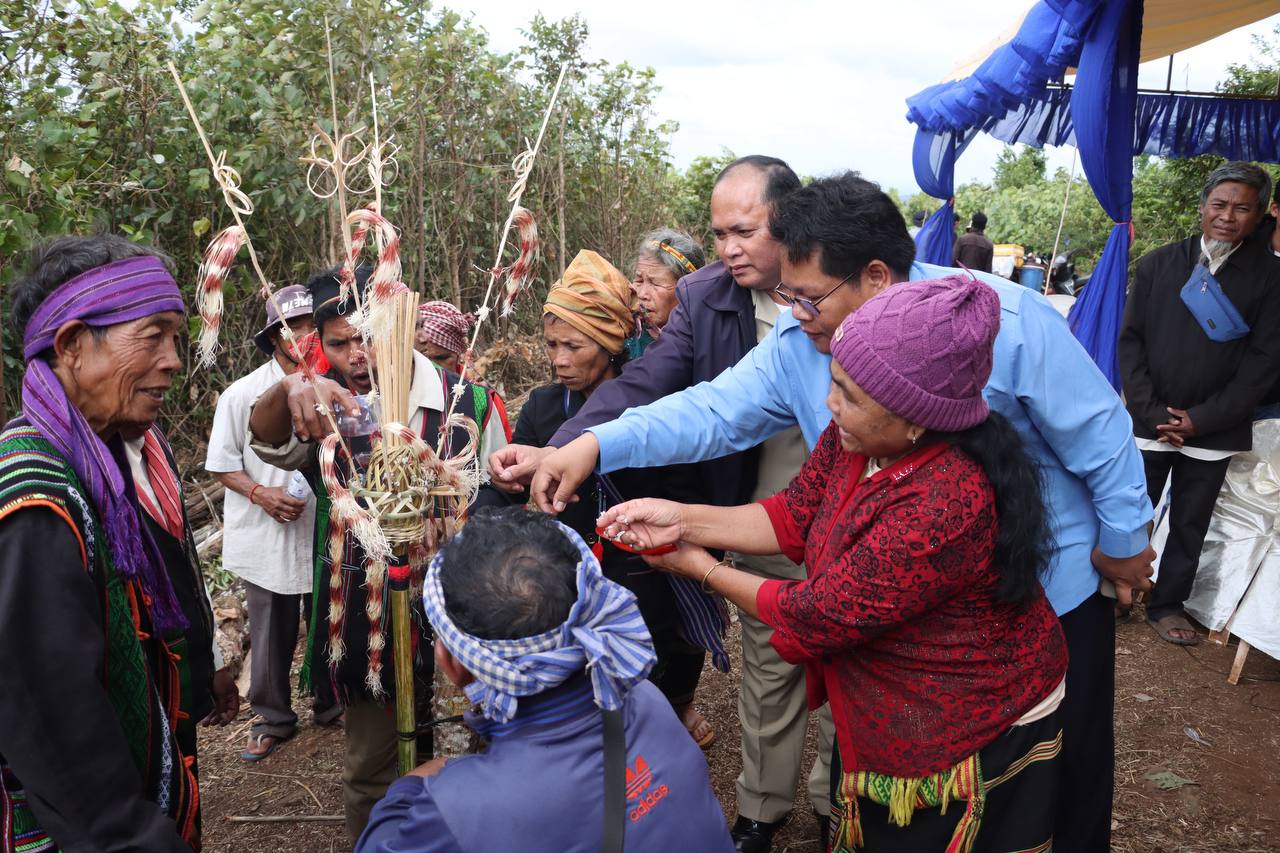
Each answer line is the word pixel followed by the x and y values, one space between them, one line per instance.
pixel 117 292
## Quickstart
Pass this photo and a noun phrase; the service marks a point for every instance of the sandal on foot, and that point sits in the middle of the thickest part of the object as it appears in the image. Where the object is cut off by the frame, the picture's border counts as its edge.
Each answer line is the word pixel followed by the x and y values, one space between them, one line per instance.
pixel 699 729
pixel 273 741
pixel 1165 627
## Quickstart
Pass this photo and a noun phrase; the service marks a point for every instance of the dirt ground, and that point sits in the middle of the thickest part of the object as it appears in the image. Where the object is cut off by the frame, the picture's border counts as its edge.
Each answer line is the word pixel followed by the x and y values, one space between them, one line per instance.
pixel 1227 796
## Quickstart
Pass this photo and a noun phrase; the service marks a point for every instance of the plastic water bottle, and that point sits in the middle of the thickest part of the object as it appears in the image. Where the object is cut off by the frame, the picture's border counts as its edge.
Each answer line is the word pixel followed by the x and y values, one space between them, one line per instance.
pixel 298 486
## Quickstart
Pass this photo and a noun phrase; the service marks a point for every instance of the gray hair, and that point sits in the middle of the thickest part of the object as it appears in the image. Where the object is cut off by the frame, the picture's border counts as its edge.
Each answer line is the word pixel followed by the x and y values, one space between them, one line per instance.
pixel 651 248
pixel 1240 172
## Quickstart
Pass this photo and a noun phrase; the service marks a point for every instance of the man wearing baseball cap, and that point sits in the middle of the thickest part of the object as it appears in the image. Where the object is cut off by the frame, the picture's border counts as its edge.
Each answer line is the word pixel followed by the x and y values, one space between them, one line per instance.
pixel 267 532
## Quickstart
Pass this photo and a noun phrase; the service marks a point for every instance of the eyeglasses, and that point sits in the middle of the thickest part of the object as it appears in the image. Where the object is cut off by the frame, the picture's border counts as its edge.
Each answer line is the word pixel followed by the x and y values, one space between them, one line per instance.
pixel 810 307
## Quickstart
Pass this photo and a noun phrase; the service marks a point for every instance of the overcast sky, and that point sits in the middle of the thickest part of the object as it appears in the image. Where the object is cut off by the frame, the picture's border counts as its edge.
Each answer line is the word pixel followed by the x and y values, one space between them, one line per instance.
pixel 821 84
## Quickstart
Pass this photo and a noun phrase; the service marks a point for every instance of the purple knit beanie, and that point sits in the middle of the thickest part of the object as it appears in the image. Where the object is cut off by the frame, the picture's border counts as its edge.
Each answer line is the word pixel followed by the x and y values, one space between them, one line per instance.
pixel 922 349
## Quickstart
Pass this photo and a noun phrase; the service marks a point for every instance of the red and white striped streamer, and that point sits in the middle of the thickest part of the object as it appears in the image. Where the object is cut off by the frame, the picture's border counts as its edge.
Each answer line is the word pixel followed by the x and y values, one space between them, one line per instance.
pixel 213 272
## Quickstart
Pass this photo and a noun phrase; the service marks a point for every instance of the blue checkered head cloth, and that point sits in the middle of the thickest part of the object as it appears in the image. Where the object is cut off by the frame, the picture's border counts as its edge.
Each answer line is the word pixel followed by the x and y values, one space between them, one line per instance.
pixel 603 633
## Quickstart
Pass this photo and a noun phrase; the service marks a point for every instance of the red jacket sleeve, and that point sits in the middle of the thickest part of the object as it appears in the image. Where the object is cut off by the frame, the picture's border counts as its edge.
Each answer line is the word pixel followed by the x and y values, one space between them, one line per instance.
pixel 931 542
pixel 791 510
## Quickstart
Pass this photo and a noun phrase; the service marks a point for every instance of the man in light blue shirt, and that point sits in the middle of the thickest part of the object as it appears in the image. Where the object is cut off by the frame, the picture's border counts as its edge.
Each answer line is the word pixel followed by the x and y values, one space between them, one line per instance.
pixel 844 242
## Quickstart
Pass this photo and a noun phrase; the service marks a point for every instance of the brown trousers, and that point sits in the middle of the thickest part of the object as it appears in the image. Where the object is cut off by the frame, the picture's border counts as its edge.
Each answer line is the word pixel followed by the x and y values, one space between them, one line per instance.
pixel 369 765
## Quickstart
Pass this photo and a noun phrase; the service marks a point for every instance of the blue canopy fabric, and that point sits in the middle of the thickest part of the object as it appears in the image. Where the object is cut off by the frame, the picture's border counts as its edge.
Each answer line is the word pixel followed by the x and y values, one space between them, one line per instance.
pixel 1189 125
pixel 1046 45
pixel 1103 105
pixel 934 160
pixel 1166 125
pixel 1008 96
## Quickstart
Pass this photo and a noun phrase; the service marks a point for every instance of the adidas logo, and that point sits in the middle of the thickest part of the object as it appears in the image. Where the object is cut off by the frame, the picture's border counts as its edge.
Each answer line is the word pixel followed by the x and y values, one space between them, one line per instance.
pixel 638 782
pixel 639 778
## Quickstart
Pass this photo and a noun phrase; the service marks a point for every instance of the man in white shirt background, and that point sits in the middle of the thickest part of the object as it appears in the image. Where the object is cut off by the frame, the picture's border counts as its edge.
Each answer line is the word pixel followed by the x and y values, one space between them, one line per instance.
pixel 267 534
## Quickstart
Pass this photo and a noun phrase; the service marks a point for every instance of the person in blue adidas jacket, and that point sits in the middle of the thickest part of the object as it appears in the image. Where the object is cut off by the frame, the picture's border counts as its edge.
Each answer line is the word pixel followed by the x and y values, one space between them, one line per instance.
pixel 543 644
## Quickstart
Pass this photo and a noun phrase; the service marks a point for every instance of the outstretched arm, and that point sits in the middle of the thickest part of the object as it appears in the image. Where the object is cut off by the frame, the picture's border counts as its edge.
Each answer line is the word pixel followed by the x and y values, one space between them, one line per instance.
pixel 291 407
pixel 651 523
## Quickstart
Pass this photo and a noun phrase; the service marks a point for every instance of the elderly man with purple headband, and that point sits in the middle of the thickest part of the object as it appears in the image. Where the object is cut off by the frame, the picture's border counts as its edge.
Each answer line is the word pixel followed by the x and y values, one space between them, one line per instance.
pixel 89 757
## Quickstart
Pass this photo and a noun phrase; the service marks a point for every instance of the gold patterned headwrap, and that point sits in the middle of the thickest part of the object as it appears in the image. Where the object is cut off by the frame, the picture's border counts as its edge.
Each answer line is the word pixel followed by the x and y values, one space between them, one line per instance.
pixel 595 299
pixel 664 246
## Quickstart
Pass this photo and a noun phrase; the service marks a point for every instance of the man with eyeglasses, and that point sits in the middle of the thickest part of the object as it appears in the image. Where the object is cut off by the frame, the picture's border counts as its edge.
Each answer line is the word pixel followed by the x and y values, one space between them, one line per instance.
pixel 843 242
pixel 722 311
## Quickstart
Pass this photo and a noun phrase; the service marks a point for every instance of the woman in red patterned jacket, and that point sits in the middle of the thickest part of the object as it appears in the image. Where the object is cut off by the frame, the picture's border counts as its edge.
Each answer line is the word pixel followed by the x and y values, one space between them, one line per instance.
pixel 922 621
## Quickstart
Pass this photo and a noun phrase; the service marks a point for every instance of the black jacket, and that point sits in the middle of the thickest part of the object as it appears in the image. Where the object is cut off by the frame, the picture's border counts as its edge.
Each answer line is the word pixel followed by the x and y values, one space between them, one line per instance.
pixel 1166 359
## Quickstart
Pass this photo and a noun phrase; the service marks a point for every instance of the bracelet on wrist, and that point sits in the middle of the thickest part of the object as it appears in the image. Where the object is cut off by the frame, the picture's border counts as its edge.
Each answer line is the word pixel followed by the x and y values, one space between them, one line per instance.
pixel 252 491
pixel 726 562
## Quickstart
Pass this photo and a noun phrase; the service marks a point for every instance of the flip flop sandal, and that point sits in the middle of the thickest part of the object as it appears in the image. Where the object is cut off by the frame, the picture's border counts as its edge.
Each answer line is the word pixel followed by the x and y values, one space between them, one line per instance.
pixel 1166 626
pixel 258 756
pixel 708 737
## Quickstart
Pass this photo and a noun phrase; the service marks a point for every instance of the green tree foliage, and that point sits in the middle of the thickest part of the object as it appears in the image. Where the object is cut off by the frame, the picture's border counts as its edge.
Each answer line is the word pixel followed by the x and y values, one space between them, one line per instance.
pixel 1016 169
pixel 93 137
pixel 1024 207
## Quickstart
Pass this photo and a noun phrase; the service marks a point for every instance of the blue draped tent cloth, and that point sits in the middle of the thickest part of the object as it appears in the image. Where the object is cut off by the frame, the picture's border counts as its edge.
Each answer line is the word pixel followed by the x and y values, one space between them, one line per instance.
pixel 1010 96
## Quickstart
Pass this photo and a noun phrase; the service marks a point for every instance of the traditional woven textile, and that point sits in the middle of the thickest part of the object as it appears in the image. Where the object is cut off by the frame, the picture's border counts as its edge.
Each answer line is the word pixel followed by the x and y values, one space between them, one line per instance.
pixel 141 680
pixel 166 511
pixel 19 832
pixel 603 633
pixel 704 617
pixel 113 293
pixel 444 325
pixel 965 781
pixel 595 299
pixel 903 796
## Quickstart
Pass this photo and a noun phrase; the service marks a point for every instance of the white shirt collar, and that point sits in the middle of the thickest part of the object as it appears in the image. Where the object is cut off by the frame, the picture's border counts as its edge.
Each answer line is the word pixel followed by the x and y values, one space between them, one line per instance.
pixel 427 389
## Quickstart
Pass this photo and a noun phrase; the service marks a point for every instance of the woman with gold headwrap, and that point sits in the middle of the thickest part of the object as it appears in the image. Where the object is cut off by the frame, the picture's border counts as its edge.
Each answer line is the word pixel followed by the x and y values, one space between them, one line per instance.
pixel 587 318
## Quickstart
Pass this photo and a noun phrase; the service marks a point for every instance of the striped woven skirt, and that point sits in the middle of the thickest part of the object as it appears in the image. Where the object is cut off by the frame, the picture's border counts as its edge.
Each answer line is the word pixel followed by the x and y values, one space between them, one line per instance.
pixel 1001 800
pixel 19 832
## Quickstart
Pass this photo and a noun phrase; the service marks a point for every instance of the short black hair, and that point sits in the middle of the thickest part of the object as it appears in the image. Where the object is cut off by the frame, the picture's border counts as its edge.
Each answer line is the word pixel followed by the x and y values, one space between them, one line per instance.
pixel 850 219
pixel 918 217
pixel 780 179
pixel 53 262
pixel 511 574
pixel 979 220
pixel 325 288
